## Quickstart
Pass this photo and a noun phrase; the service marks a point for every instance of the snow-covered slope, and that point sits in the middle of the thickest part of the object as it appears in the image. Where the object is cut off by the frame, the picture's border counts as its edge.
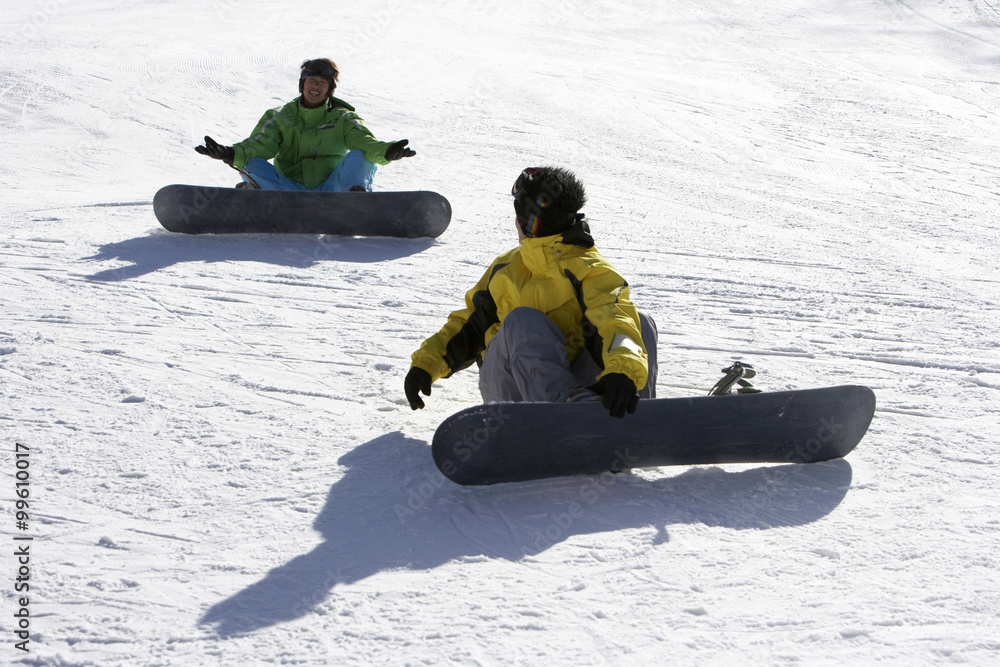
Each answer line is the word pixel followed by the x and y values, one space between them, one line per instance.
pixel 222 466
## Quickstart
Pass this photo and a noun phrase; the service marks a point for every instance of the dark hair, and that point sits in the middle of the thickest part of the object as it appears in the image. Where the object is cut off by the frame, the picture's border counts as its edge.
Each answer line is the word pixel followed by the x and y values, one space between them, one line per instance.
pixel 550 200
pixel 322 67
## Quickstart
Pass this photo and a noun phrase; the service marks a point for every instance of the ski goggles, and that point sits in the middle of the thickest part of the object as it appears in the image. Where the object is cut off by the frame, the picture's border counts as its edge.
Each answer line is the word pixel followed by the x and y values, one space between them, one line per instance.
pixel 520 187
pixel 521 184
pixel 323 74
pixel 530 210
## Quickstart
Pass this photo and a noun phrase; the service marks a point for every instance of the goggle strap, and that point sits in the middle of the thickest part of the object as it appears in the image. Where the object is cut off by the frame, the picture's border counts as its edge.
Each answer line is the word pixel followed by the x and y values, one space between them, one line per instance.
pixel 533 224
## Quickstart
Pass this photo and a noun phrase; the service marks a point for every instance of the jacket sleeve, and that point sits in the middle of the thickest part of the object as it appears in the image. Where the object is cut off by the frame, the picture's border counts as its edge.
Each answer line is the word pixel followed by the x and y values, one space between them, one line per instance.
pixel 463 337
pixel 357 136
pixel 264 142
pixel 610 324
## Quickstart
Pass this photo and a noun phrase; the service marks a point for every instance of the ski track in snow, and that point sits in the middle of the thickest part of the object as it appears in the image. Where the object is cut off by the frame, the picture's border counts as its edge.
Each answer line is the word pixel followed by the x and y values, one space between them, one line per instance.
pixel 224 469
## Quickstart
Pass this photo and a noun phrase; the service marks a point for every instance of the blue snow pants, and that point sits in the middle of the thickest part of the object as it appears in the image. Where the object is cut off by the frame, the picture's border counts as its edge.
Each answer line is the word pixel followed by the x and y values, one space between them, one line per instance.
pixel 353 170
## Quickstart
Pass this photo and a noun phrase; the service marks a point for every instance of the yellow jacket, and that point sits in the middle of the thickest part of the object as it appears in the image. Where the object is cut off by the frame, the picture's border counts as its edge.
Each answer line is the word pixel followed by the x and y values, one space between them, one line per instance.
pixel 574 286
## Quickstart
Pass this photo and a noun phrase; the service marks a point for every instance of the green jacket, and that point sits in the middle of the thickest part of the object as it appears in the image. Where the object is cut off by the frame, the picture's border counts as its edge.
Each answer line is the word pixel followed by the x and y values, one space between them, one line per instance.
pixel 574 286
pixel 307 144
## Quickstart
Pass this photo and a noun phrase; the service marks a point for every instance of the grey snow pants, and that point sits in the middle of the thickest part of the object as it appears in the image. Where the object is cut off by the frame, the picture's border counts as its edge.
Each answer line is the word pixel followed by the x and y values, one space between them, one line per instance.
pixel 526 361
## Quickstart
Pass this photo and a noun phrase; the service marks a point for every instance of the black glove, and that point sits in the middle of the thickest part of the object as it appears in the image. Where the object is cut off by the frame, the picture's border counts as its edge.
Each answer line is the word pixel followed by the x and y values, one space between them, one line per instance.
pixel 620 394
pixel 215 150
pixel 417 380
pixel 397 151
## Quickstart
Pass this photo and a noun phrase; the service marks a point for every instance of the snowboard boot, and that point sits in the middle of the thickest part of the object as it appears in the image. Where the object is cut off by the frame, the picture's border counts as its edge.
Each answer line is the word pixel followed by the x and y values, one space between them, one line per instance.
pixel 737 374
pixel 247 183
pixel 581 395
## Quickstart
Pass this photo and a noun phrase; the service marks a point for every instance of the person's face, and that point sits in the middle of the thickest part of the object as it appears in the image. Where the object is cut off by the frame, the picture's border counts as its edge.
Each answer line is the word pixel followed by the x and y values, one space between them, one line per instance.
pixel 315 90
pixel 520 232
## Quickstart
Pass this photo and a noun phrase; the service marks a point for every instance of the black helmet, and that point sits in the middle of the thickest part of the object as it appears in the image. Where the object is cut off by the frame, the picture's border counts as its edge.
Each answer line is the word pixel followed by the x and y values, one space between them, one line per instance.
pixel 321 67
pixel 546 200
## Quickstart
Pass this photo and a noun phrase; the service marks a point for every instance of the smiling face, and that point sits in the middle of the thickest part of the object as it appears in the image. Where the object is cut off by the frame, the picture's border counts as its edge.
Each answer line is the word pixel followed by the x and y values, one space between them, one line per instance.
pixel 315 90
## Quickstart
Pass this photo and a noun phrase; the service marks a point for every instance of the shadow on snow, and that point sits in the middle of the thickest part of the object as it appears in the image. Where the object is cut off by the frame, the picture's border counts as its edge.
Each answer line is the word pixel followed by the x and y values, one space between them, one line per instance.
pixel 393 509
pixel 163 249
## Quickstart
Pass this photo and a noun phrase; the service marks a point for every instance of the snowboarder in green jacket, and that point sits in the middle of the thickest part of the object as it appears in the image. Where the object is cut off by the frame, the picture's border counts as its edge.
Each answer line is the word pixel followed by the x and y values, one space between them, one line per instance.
pixel 317 141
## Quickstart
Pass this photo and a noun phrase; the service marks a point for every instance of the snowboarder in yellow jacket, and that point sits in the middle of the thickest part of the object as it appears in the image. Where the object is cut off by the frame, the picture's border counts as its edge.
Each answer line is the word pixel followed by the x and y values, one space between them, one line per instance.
pixel 317 141
pixel 550 320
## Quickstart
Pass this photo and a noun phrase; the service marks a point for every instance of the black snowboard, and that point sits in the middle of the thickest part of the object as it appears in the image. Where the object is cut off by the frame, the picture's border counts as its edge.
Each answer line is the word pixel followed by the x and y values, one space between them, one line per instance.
pixel 192 209
pixel 512 442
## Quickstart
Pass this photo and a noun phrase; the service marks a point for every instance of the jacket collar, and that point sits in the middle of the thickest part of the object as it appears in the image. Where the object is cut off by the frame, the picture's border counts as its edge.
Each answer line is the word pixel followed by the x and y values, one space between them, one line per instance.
pixel 538 253
pixel 334 103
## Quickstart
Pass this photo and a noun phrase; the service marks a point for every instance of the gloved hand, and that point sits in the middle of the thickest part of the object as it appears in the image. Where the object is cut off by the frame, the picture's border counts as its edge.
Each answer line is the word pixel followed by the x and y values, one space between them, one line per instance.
pixel 397 151
pixel 215 150
pixel 620 394
pixel 417 380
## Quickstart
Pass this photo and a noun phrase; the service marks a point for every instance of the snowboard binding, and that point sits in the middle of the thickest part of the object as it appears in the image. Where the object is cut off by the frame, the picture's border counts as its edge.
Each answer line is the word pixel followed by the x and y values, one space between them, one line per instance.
pixel 247 183
pixel 737 374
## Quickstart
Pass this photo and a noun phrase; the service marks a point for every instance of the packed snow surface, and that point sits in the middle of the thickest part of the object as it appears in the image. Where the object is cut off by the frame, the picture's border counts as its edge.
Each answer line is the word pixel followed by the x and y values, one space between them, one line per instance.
pixel 221 463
